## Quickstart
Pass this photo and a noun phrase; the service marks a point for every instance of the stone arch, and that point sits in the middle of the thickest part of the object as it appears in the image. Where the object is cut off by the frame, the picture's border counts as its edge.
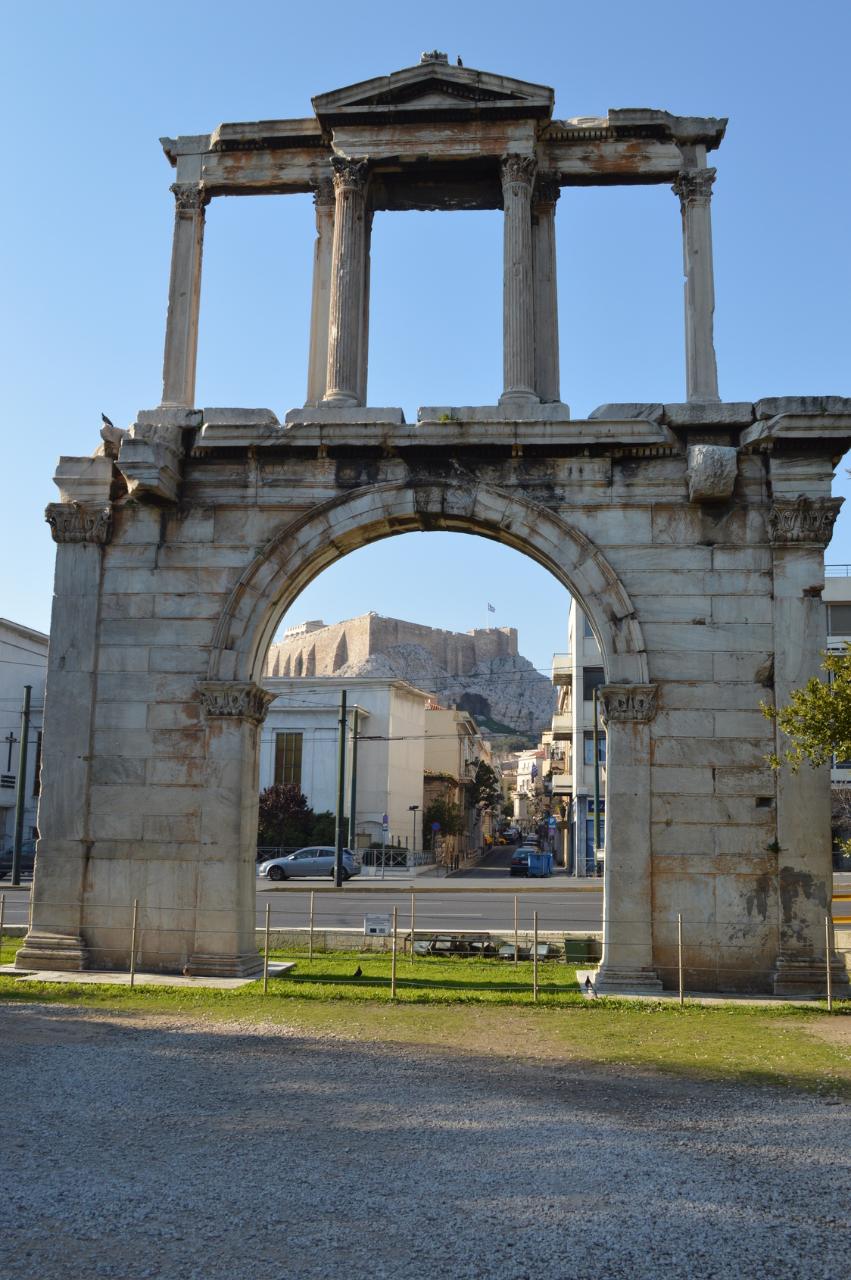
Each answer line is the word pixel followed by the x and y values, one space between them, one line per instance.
pixel 299 551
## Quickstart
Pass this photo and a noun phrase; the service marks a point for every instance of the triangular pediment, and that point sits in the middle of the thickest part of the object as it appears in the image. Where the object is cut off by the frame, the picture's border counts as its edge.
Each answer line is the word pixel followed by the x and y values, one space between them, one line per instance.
pixel 434 88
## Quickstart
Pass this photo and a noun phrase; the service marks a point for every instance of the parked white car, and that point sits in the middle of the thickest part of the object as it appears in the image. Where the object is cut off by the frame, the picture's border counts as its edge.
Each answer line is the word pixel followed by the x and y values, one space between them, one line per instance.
pixel 316 860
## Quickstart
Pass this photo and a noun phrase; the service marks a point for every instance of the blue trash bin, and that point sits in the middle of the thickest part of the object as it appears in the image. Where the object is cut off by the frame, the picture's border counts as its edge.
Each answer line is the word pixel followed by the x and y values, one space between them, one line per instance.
pixel 538 863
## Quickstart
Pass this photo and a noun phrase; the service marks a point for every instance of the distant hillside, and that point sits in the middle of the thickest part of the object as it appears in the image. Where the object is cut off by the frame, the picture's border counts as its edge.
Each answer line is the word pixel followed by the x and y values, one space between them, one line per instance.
pixel 480 671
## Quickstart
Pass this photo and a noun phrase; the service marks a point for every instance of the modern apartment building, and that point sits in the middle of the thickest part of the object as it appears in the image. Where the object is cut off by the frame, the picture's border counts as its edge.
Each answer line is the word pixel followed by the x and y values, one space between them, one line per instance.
pixel 837 597
pixel 23 661
pixel 576 673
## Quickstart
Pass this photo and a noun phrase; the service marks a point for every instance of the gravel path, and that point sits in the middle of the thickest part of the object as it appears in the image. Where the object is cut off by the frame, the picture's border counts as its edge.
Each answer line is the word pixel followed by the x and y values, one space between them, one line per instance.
pixel 135 1148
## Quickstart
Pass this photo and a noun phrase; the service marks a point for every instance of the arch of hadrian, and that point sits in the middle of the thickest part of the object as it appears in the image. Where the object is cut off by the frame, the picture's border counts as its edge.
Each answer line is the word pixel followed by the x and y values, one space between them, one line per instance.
pixel 692 535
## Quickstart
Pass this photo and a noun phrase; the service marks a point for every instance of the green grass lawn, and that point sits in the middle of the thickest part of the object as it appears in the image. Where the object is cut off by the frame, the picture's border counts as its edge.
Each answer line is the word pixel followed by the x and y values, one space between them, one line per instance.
pixel 485 1007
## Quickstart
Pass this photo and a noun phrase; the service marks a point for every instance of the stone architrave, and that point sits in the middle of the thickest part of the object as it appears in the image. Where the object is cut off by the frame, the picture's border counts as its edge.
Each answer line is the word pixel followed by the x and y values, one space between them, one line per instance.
pixel 545 194
pixel 233 711
pixel 627 961
pixel 81 531
pixel 348 277
pixel 518 299
pixel 317 369
pixel 184 295
pixel 694 188
pixel 711 471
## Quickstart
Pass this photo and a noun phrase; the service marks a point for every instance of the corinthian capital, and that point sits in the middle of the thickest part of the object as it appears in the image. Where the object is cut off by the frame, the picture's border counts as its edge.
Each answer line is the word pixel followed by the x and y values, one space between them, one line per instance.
pixel 72 522
pixel 517 169
pixel 692 185
pixel 547 188
pixel 323 194
pixel 349 175
pixel 803 520
pixel 189 197
pixel 234 699
pixel 628 702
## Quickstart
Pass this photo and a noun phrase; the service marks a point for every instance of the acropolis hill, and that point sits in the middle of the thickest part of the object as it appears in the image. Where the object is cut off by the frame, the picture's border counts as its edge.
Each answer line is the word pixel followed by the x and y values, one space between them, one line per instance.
pixel 480 670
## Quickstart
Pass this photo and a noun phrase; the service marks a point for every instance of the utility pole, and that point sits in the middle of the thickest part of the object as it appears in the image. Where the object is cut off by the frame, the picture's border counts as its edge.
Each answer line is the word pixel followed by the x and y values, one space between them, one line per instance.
pixel 341 793
pixel 596 780
pixel 20 794
pixel 353 790
pixel 413 810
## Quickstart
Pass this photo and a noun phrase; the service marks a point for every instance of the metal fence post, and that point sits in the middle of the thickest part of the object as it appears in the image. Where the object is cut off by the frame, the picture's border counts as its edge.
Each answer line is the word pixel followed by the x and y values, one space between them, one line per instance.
pixel 310 933
pixel 2 912
pixel 515 929
pixel 393 956
pixel 827 951
pixel 133 942
pixel 534 955
pixel 413 923
pixel 680 953
pixel 266 952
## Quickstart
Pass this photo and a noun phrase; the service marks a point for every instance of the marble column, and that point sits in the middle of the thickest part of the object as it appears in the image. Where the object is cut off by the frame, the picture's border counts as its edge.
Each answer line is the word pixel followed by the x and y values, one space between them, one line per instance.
pixel 544 197
pixel 184 295
pixel 518 296
pixel 348 278
pixel 694 188
pixel 55 938
pixel 363 354
pixel 800 529
pixel 224 904
pixel 627 962
pixel 317 369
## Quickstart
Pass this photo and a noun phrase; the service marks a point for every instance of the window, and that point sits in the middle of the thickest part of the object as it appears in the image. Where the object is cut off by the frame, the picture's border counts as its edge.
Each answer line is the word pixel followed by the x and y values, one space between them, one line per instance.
pixel 587 629
pixel 592 678
pixel 589 748
pixel 288 758
pixel 839 619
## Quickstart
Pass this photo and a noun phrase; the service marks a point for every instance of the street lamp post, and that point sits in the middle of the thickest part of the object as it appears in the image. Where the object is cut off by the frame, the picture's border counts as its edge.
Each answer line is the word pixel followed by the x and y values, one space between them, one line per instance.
pixel 412 809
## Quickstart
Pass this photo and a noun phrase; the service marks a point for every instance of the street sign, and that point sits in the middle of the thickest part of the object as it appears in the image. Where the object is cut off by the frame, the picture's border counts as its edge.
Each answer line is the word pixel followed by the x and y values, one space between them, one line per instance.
pixel 435 826
pixel 377 926
pixel 385 822
pixel 552 824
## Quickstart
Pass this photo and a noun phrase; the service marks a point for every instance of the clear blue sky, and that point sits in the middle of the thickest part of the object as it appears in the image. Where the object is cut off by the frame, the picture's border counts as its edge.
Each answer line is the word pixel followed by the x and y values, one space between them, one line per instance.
pixel 86 216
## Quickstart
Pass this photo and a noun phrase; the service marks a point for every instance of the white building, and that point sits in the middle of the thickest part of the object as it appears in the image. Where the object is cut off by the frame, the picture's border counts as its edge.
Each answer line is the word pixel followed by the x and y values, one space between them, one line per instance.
pixel 837 597
pixel 299 744
pixel 23 661
pixel 576 674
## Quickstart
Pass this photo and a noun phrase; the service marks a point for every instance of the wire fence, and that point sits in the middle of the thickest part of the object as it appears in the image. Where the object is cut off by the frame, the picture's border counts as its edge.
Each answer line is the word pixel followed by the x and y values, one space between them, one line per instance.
pixel 689 953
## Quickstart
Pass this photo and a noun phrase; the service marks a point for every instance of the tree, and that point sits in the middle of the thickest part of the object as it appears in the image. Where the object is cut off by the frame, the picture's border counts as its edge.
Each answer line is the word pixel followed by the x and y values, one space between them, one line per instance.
pixel 286 818
pixel 485 788
pixel 450 816
pixel 817 720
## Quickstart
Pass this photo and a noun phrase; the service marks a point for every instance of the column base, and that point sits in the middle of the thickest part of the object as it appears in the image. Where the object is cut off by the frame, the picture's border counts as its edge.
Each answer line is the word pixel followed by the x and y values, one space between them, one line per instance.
pixel 246 965
pixel 519 396
pixel 807 979
pixel 610 981
pixel 57 951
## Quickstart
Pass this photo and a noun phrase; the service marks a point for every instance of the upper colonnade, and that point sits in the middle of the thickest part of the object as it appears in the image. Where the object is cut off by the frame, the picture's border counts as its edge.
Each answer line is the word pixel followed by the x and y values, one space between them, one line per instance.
pixel 436 136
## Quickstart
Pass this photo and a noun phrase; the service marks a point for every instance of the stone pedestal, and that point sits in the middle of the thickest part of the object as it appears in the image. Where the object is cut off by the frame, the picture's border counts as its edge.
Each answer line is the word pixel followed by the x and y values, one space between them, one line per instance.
pixel 348 279
pixel 694 188
pixel 544 198
pixel 518 299
pixel 184 295
pixel 800 529
pixel 55 938
pixel 317 369
pixel 627 961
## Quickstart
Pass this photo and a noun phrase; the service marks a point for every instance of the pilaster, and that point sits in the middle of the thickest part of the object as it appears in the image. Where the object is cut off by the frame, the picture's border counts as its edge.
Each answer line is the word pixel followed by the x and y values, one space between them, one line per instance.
pixel 224 912
pixel 545 195
pixel 518 299
pixel 184 295
pixel 627 961
pixel 348 278
pixel 694 188
pixel 80 530
pixel 317 370
pixel 799 530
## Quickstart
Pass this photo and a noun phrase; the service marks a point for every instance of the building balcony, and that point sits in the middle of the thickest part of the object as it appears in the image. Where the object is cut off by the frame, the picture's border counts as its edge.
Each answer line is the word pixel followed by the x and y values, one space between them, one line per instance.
pixel 561 784
pixel 562 669
pixel 562 727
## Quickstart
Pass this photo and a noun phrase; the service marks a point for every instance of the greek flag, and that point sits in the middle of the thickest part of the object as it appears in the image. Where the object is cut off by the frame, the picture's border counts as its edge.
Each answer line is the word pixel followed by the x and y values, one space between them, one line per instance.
pixel 491 609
